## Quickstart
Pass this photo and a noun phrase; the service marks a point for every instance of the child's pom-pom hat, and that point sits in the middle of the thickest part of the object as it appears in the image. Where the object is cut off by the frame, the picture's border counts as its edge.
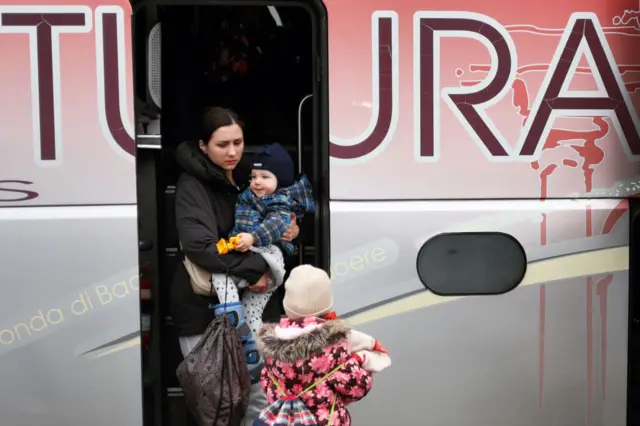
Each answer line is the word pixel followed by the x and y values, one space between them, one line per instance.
pixel 307 293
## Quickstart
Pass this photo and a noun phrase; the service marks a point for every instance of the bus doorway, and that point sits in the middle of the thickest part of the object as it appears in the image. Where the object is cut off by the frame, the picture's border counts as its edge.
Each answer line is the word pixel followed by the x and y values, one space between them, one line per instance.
pixel 268 64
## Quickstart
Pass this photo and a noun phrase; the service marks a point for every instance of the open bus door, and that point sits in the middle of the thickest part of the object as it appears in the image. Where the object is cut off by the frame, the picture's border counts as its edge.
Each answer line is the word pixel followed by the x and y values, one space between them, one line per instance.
pixel 70 310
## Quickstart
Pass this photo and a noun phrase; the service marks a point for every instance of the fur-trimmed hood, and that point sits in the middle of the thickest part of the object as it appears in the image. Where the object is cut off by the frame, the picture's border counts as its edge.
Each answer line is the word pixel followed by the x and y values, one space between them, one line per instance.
pixel 293 340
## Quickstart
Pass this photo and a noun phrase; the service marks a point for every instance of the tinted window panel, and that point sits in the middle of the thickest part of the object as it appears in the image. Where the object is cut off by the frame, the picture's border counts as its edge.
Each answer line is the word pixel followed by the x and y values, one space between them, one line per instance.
pixel 471 263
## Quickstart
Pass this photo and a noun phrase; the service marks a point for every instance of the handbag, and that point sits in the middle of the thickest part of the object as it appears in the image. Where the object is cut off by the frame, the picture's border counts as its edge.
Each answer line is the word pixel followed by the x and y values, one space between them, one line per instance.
pixel 200 278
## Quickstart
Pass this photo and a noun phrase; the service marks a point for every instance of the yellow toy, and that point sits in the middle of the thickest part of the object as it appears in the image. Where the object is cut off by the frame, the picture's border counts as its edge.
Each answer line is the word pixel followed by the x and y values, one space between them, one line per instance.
pixel 224 246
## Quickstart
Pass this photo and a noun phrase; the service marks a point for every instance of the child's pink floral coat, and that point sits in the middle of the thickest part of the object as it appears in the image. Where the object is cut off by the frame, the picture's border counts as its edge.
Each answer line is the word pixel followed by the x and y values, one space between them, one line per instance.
pixel 299 352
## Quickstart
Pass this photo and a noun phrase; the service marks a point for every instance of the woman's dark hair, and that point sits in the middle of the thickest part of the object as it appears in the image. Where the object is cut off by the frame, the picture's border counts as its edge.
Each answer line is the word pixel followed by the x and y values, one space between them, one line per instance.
pixel 215 117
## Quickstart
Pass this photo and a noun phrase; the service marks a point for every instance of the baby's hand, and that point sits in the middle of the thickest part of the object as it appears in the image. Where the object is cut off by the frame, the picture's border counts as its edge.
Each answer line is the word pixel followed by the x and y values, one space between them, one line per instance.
pixel 245 241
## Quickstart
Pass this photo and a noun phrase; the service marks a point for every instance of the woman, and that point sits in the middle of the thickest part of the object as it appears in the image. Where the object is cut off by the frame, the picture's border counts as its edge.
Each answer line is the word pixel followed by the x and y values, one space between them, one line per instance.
pixel 206 194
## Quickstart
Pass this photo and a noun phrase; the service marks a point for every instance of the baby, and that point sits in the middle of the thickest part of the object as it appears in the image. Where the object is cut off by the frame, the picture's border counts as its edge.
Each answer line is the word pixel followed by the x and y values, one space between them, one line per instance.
pixel 264 210
pixel 263 213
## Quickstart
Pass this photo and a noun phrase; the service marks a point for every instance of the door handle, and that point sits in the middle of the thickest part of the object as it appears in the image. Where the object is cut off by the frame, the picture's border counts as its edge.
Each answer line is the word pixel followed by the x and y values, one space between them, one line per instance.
pixel 145 245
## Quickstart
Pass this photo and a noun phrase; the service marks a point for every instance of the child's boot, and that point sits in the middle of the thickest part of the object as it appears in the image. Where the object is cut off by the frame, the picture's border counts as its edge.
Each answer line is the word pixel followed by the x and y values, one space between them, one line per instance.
pixel 255 363
pixel 235 313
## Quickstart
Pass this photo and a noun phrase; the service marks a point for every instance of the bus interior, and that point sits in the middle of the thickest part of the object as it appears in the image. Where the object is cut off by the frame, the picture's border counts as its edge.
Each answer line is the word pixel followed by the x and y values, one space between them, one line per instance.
pixel 257 60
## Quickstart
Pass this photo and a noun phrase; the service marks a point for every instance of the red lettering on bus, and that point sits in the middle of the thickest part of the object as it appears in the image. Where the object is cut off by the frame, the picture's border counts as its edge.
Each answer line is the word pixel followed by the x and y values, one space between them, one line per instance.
pixel 467 105
pixel 44 24
pixel 109 22
pixel 17 194
pixel 385 72
pixel 613 102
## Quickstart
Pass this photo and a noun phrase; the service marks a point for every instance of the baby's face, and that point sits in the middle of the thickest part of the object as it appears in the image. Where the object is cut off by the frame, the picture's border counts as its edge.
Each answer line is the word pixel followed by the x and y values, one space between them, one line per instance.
pixel 263 182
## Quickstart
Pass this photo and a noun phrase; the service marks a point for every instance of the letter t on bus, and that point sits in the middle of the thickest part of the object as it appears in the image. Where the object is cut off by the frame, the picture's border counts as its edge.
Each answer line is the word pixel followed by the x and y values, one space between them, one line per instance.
pixel 44 24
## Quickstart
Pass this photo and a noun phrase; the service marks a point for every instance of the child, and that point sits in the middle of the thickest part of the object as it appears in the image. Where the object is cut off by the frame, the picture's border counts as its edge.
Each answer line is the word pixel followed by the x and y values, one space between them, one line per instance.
pixel 263 214
pixel 308 358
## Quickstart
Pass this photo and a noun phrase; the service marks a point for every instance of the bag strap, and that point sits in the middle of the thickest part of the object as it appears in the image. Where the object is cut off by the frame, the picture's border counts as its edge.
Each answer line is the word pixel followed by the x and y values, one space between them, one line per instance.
pixel 324 378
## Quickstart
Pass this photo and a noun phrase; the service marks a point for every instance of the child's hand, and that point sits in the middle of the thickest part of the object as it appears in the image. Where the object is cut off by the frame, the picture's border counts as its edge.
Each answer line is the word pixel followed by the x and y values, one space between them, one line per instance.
pixel 261 285
pixel 245 242
pixel 373 362
pixel 377 346
pixel 358 341
pixel 292 231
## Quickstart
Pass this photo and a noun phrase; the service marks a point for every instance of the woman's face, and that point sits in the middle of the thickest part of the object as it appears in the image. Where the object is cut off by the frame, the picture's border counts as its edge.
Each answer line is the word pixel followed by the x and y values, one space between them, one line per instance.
pixel 225 146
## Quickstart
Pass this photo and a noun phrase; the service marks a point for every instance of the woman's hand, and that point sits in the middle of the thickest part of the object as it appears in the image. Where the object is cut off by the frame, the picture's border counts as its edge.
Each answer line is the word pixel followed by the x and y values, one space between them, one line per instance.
pixel 292 232
pixel 260 286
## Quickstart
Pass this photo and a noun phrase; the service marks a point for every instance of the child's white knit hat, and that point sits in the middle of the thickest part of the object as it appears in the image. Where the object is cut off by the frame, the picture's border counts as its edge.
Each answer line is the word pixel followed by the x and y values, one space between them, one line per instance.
pixel 307 293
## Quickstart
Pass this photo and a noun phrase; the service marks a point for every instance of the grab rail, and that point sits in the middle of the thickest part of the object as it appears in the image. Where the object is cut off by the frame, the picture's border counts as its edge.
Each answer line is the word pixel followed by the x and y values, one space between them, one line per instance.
pixel 302 102
pixel 300 131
